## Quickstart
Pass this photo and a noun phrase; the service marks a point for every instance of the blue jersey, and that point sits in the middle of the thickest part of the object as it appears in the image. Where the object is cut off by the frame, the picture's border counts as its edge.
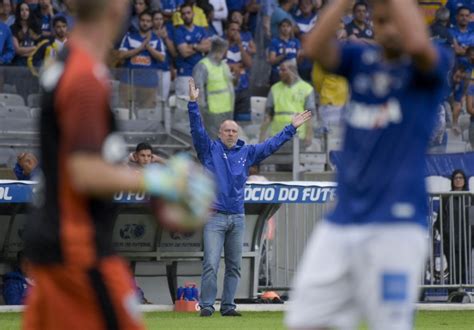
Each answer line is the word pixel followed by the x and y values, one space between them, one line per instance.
pixel 234 56
pixel 143 61
pixel 305 24
pixel 46 23
pixel 182 35
pixel 292 46
pixel 464 39
pixel 388 124
pixel 170 6
pixel 238 5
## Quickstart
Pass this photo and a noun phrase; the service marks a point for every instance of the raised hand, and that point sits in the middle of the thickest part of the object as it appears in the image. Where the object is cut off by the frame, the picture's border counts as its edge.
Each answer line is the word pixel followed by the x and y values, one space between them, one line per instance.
pixel 193 91
pixel 301 118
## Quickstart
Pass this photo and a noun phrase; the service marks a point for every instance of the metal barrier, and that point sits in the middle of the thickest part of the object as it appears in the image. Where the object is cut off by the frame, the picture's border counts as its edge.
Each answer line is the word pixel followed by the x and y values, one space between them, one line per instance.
pixel 450 255
pixel 450 230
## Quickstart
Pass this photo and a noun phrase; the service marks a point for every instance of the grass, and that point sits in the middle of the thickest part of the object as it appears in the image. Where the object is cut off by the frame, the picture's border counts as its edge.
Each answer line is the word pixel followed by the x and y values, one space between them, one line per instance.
pixel 432 320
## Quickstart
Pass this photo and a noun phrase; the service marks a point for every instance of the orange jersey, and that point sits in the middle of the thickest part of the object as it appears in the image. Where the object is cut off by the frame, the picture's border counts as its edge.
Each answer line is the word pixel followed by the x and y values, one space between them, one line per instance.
pixel 71 227
pixel 79 282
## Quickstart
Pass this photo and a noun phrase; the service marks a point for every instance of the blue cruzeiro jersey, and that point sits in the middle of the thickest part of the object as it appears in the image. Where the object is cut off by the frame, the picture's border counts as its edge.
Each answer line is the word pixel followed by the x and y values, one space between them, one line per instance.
pixel 142 62
pixel 234 56
pixel 389 121
pixel 278 45
pixel 182 35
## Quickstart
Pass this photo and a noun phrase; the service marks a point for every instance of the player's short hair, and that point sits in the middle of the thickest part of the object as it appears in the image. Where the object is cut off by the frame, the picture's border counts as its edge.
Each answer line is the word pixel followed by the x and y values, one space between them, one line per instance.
pixel 145 13
pixel 462 8
pixel 218 44
pixel 143 146
pixel 89 10
pixel 285 20
pixel 442 14
pixel 59 19
pixel 360 4
pixel 371 3
pixel 185 5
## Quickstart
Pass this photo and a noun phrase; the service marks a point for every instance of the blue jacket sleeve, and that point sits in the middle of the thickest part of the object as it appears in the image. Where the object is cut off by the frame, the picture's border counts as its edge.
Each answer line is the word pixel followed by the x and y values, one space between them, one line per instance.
pixel 8 51
pixel 201 140
pixel 19 173
pixel 262 150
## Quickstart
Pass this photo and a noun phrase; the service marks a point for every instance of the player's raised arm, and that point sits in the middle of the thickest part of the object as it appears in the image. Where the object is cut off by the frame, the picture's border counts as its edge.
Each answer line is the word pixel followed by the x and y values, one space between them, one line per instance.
pixel 319 44
pixel 414 32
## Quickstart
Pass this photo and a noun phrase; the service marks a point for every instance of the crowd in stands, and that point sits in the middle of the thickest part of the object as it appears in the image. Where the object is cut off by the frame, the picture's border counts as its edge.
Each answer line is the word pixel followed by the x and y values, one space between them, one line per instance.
pixel 167 42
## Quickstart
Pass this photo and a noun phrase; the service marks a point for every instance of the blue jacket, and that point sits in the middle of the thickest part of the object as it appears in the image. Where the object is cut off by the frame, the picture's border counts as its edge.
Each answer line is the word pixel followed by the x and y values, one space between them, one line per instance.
pixel 7 51
pixel 231 166
pixel 18 170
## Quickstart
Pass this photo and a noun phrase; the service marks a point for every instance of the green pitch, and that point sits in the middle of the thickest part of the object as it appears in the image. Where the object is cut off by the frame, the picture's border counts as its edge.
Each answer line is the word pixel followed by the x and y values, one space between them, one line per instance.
pixel 454 320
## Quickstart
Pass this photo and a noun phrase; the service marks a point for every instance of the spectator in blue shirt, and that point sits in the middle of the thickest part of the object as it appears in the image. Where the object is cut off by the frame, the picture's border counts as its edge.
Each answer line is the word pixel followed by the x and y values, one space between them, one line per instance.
pixel 67 11
pixel 282 49
pixel 238 5
pixel 165 33
pixel 209 12
pixel 463 34
pixel 170 6
pixel 247 39
pixel 239 60
pixel 229 159
pixel 45 13
pixel 192 43
pixel 305 20
pixel 7 50
pixel 143 51
pixel 6 12
pixel 459 82
pixel 26 167
pixel 139 6
pixel 454 5
pixel 282 12
pixel 439 30
pixel 359 29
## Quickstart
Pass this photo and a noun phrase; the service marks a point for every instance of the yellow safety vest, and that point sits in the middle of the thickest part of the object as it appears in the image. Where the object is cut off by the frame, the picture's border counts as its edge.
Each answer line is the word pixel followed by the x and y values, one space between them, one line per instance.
pixel 332 89
pixel 219 98
pixel 198 20
pixel 288 101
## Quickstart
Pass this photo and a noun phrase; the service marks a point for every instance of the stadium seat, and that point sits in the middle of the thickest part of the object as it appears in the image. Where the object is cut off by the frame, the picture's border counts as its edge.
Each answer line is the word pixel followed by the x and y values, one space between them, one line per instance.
pixel 257 108
pixel 21 112
pixel 152 114
pixel 172 101
pixel 436 184
pixel 115 93
pixel 33 100
pixel 464 121
pixel 12 99
pixel 121 113
pixel 334 143
pixel 35 112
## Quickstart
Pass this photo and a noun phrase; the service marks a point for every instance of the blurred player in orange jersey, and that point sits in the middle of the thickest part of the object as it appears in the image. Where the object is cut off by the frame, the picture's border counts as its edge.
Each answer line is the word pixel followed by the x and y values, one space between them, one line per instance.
pixel 80 282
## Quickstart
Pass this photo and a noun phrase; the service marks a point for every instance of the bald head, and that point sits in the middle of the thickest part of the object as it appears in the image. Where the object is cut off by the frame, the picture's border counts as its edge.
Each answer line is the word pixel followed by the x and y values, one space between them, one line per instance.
pixel 229 133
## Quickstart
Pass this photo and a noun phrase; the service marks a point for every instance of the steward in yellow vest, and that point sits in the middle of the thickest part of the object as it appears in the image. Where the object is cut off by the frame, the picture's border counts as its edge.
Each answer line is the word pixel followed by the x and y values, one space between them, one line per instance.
pixel 212 75
pixel 288 97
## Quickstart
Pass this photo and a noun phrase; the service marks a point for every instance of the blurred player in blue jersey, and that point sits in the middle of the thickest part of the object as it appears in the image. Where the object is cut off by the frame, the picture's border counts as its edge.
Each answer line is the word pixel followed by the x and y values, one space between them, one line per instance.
pixel 365 260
